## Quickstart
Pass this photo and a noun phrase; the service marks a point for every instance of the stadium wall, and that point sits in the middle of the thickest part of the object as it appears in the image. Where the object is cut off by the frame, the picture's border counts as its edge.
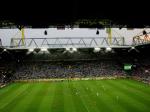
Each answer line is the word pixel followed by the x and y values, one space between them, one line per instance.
pixel 7 34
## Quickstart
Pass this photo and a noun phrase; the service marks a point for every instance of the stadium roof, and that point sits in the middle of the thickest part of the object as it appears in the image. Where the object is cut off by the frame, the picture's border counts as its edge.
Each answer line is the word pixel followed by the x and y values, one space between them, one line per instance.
pixel 43 14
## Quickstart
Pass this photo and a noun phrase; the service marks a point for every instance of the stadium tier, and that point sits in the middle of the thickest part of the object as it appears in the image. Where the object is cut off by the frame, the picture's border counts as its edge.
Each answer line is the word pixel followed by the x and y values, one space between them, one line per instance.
pixel 69 69
pixel 83 63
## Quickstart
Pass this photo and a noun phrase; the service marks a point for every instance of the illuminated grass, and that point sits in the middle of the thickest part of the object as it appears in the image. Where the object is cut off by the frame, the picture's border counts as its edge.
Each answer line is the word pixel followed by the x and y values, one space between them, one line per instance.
pixel 120 95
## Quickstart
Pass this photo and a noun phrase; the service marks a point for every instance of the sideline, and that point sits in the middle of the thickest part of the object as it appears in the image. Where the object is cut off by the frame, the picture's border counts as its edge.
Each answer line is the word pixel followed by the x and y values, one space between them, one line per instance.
pixel 70 79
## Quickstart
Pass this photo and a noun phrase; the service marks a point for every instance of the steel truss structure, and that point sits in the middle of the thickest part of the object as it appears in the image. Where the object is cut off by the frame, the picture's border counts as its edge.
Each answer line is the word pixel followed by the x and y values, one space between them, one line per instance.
pixel 66 42
pixel 141 39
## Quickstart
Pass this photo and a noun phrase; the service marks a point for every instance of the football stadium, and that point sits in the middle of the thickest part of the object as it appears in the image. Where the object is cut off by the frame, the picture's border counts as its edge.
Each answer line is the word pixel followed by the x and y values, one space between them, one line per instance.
pixel 79 56
pixel 61 73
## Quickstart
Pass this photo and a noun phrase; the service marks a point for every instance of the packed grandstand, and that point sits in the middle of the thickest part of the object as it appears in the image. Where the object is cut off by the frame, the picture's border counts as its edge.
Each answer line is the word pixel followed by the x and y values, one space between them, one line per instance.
pixel 19 66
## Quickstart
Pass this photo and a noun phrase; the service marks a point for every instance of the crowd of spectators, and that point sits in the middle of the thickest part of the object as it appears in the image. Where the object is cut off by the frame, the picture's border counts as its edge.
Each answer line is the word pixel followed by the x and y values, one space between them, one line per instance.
pixel 71 69
pixel 2 77
pixel 1 80
pixel 6 72
pixel 42 70
pixel 142 72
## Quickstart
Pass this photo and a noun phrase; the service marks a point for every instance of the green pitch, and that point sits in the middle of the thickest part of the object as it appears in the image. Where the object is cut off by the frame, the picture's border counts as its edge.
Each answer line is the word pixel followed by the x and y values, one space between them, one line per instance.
pixel 119 95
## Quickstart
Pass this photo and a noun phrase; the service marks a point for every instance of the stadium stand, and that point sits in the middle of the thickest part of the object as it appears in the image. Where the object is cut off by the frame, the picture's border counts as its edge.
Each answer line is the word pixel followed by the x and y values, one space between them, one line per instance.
pixel 39 70
pixel 18 64
pixel 142 71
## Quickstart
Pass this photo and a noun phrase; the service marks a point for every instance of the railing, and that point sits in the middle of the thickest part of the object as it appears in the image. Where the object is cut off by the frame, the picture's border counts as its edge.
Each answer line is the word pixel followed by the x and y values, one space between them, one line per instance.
pixel 63 42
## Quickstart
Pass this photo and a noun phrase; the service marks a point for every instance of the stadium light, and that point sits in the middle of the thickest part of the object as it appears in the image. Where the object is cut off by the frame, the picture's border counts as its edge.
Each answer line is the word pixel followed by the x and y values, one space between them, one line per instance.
pixel 132 47
pixel 97 49
pixel 31 50
pixel 71 50
pixel 5 50
pixel 108 49
pixel 44 49
pixel 67 49
pixel 74 49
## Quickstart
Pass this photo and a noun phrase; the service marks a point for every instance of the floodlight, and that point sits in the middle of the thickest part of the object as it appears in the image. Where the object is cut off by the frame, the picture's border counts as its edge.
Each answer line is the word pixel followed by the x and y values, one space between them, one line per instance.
pixel 31 50
pixel 97 49
pixel 5 50
pixel 44 49
pixel 71 50
pixel 74 49
pixel 132 47
pixel 67 49
pixel 108 49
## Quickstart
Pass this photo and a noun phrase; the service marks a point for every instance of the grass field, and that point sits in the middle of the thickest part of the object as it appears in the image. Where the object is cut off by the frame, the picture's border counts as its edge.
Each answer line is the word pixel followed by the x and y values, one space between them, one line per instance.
pixel 120 95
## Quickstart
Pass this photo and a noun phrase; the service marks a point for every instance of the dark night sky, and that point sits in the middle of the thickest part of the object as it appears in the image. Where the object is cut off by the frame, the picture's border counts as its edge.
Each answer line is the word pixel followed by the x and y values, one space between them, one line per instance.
pixel 44 12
